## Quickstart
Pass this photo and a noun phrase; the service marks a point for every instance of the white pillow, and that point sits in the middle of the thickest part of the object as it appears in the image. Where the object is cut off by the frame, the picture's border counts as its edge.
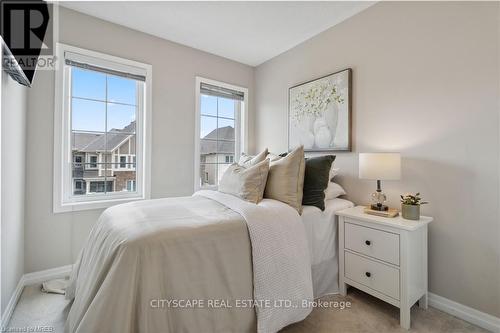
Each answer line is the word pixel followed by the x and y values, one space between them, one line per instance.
pixel 333 191
pixel 248 160
pixel 245 183
pixel 333 172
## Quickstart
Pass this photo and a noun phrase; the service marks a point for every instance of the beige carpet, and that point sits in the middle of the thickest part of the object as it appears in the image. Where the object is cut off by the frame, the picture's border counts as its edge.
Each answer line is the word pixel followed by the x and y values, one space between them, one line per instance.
pixel 366 314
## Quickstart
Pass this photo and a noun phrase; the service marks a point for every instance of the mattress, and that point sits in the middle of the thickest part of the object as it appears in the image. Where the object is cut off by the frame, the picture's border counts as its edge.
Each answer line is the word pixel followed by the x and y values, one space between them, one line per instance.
pixel 321 229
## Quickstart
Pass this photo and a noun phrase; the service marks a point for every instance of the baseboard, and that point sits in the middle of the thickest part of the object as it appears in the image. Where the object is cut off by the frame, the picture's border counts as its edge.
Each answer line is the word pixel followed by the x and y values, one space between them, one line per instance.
pixel 12 302
pixel 473 316
pixel 29 279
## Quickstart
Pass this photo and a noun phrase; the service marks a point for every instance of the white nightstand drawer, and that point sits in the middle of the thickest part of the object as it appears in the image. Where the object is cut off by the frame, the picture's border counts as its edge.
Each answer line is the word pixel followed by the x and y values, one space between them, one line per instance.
pixel 375 275
pixel 371 242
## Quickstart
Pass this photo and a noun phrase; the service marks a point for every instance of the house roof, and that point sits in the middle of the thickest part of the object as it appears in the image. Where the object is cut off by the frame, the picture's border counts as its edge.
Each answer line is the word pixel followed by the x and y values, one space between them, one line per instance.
pixel 93 142
pixel 82 140
pixel 225 136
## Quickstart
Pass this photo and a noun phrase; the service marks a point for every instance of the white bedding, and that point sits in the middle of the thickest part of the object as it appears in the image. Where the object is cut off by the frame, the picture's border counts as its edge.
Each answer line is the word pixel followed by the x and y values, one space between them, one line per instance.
pixel 321 229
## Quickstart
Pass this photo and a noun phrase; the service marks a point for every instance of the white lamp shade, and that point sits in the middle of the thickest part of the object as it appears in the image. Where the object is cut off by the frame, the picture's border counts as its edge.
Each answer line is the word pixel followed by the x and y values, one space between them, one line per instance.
pixel 380 166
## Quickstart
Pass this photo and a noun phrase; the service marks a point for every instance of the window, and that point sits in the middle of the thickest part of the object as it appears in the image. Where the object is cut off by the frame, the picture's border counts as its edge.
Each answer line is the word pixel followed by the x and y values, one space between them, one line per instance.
pixel 220 129
pixel 78 159
pixel 99 187
pixel 79 184
pixel 123 161
pixel 92 159
pixel 131 185
pixel 102 124
pixel 79 187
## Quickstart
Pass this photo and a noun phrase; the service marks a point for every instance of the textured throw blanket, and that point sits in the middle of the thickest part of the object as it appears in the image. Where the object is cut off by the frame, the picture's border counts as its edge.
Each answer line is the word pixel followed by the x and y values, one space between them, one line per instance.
pixel 149 253
pixel 281 262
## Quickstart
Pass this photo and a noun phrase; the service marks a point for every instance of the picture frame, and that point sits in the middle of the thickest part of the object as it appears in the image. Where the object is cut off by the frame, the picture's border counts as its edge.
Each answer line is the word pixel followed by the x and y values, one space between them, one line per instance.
pixel 320 113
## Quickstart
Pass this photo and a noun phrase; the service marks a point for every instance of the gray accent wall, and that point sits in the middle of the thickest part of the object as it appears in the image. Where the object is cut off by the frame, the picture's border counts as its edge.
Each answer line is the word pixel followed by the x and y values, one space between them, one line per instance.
pixel 426 84
pixel 13 131
pixel 54 240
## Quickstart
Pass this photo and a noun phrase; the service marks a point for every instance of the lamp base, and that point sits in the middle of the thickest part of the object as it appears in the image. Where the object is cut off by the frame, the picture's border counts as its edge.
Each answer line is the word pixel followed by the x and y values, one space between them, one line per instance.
pixel 379 207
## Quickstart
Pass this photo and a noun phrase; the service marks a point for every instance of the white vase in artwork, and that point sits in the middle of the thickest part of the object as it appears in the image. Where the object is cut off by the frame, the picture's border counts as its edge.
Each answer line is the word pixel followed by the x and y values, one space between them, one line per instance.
pixel 302 137
pixel 307 139
pixel 322 134
pixel 331 116
pixel 303 132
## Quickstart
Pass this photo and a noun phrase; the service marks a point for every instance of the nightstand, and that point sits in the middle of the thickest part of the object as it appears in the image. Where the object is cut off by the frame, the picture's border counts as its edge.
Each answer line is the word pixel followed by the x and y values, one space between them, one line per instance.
pixel 384 257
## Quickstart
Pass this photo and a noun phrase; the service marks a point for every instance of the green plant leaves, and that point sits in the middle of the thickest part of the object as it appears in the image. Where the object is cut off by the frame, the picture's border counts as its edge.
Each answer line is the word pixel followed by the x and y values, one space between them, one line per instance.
pixel 414 200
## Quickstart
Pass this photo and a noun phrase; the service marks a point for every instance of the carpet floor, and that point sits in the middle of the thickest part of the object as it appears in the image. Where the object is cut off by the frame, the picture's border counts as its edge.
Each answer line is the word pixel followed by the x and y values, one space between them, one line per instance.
pixel 365 314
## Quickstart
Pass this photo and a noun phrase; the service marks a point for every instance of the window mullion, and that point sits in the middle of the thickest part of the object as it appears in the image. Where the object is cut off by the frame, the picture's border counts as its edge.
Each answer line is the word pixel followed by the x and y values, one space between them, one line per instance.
pixel 217 146
pixel 68 98
pixel 106 137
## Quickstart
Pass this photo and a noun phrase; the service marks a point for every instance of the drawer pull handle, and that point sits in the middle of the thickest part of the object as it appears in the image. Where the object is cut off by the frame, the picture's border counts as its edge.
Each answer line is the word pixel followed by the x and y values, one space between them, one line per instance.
pixel 368 274
pixel 368 243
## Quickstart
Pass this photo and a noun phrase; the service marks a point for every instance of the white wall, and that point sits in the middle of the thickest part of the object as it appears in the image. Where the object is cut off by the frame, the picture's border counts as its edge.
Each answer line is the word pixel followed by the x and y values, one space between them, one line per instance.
pixel 426 83
pixel 13 180
pixel 55 239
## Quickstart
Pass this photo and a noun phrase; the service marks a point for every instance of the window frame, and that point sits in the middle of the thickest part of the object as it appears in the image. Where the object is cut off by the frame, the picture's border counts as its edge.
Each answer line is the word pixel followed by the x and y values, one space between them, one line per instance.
pixel 241 132
pixel 63 198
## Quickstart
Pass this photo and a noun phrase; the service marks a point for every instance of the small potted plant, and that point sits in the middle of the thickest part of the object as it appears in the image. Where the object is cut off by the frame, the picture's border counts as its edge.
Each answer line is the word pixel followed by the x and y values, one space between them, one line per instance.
pixel 410 206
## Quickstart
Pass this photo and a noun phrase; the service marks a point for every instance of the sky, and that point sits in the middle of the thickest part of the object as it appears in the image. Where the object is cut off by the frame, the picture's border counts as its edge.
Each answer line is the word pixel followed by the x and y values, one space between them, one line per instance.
pixel 208 109
pixel 89 102
pixel 89 96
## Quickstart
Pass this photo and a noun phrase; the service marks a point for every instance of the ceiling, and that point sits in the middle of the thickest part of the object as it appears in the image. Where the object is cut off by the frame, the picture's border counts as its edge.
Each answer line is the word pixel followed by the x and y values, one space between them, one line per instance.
pixel 247 32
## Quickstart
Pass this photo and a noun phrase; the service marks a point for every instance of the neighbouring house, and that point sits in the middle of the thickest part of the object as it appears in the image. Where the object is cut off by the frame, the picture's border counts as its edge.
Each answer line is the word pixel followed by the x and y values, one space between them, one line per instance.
pixel 104 162
pixel 216 154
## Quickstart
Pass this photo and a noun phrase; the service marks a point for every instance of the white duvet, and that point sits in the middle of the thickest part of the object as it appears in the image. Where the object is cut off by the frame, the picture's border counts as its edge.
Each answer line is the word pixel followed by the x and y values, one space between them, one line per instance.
pixel 192 248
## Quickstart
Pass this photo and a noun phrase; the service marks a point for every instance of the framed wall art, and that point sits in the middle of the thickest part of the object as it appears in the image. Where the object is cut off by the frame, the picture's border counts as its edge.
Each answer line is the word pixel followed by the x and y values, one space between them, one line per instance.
pixel 319 113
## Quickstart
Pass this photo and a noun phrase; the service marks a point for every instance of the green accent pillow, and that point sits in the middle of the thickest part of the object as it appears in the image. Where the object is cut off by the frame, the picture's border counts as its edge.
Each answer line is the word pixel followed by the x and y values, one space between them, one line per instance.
pixel 316 178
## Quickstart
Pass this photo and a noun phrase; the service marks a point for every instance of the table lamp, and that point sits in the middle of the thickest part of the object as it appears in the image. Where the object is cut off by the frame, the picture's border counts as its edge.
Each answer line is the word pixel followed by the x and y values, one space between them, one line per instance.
pixel 379 166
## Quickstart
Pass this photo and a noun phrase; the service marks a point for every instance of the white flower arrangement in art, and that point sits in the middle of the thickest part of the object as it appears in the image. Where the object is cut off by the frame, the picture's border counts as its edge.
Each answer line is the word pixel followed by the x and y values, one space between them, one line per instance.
pixel 315 100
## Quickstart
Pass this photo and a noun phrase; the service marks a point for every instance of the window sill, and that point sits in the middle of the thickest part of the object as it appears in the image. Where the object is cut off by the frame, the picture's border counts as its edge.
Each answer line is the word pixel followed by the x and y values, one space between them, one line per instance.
pixel 90 205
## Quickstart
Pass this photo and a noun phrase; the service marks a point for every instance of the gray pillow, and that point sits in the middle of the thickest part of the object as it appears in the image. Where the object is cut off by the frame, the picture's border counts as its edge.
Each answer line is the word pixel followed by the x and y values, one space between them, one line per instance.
pixel 248 160
pixel 285 181
pixel 245 183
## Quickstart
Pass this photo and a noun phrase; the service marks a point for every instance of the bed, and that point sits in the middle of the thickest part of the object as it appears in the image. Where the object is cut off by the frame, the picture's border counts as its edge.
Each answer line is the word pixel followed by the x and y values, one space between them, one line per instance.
pixel 321 230
pixel 211 262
